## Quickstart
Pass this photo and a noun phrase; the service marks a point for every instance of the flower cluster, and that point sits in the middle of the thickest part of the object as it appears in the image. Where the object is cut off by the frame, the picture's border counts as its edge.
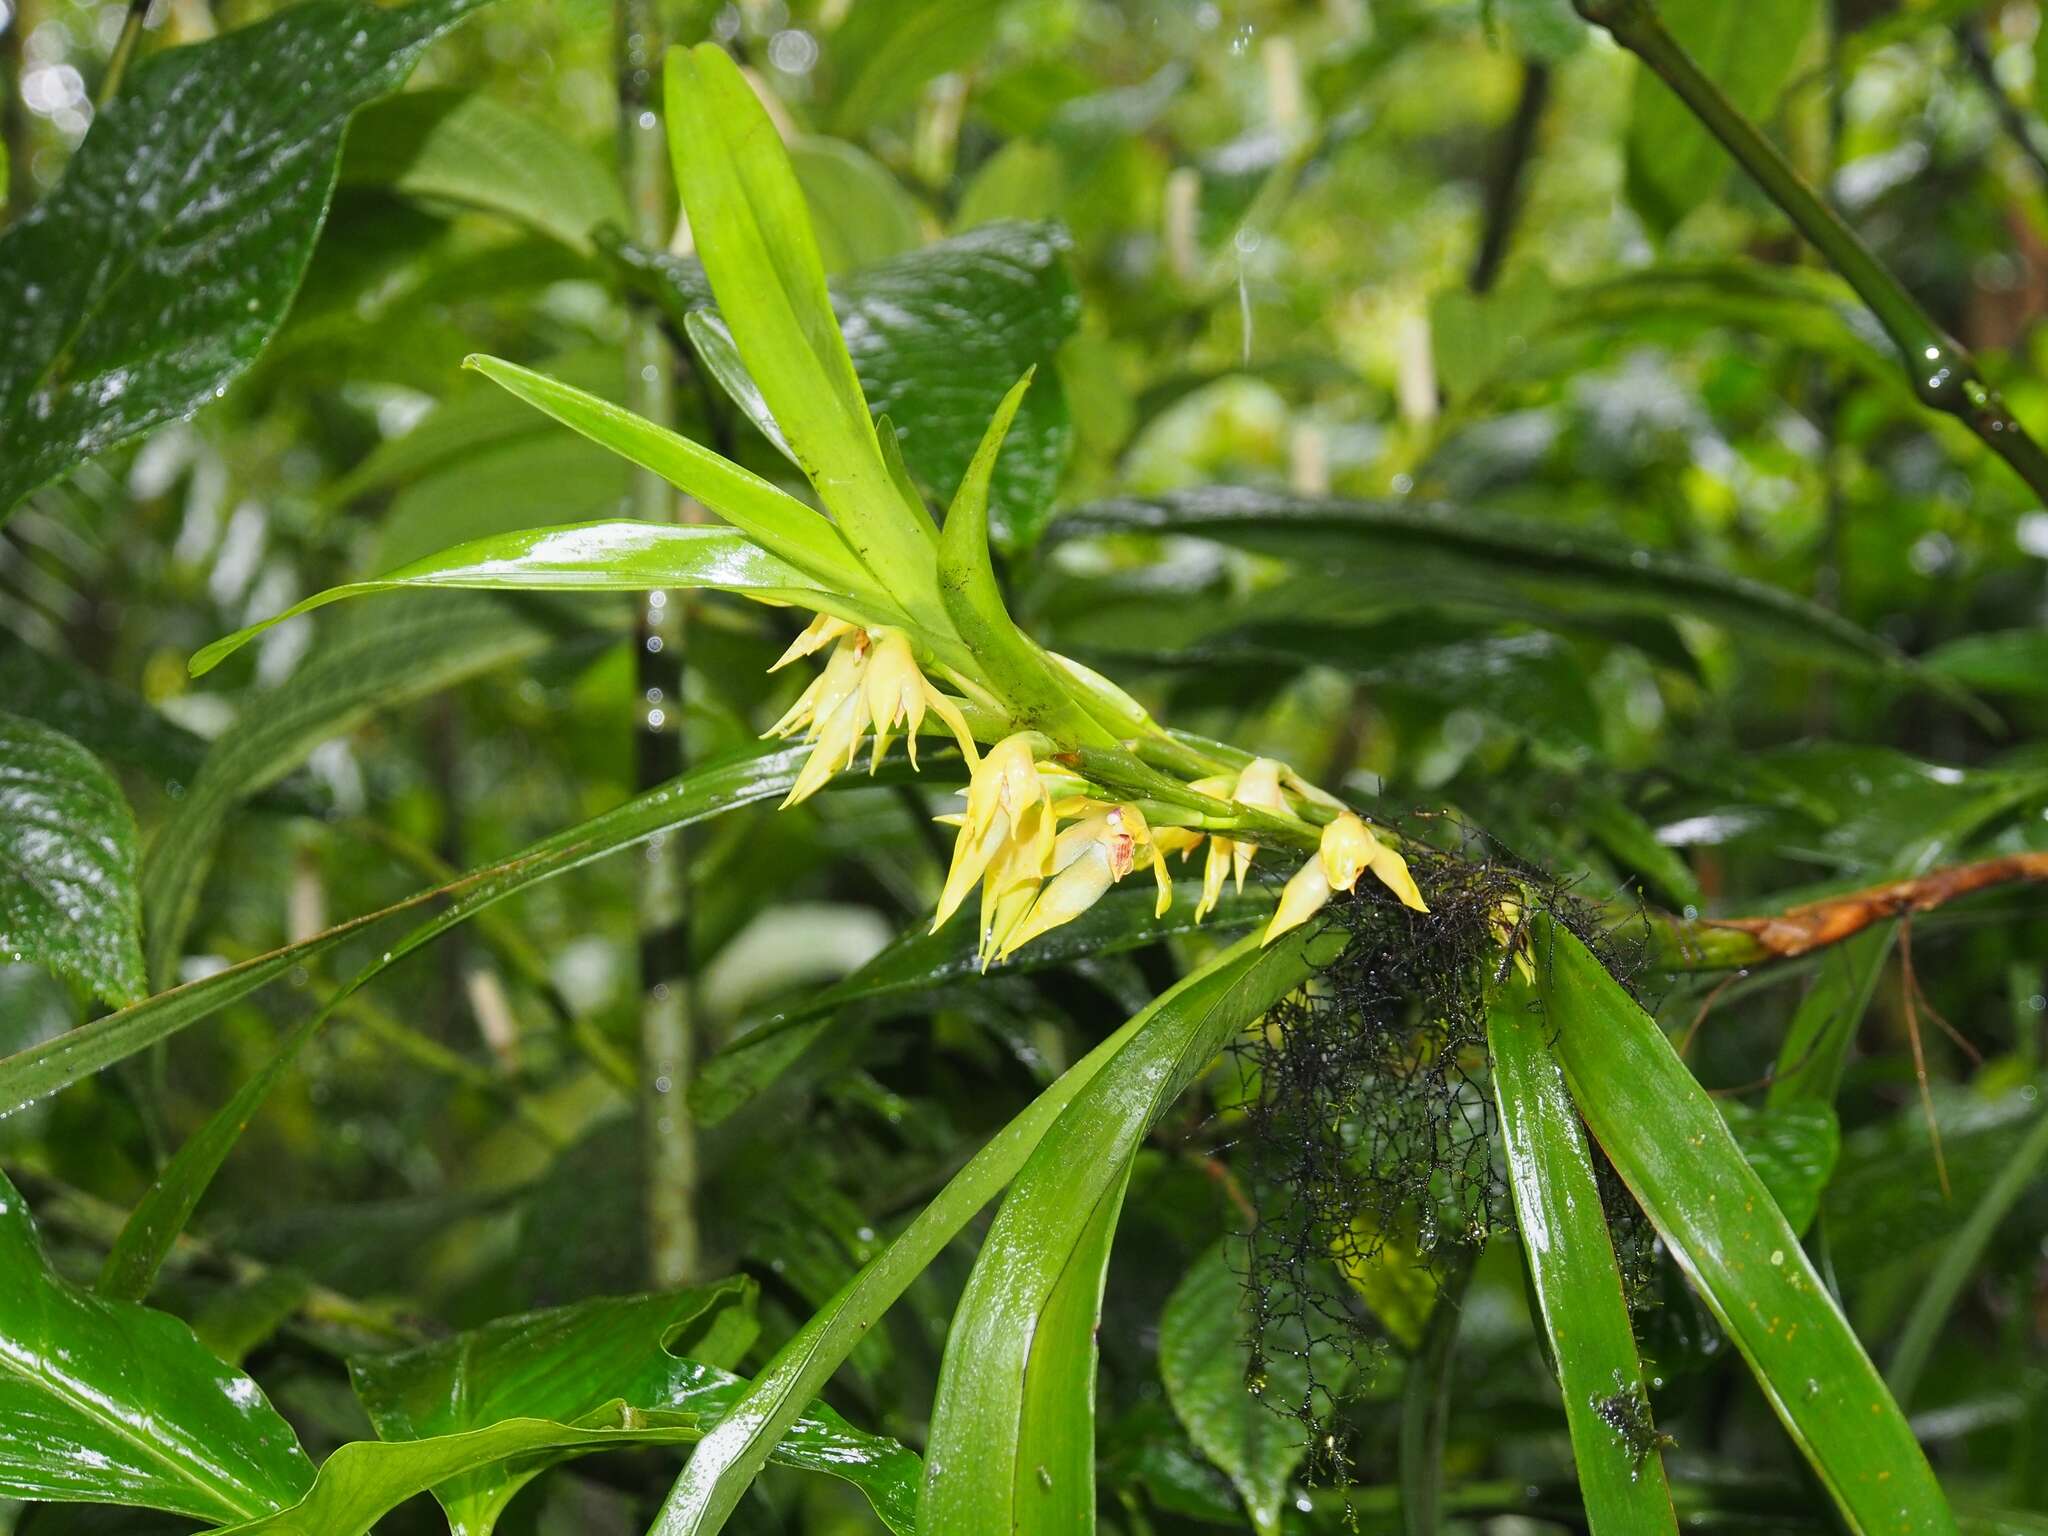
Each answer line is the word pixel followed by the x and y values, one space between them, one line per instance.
pixel 870 680
pixel 1036 874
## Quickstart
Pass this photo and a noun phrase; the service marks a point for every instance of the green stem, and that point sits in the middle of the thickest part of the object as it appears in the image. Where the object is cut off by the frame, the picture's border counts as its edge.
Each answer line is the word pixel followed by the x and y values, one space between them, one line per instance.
pixel 668 1046
pixel 1941 369
pixel 1426 1405
pixel 124 50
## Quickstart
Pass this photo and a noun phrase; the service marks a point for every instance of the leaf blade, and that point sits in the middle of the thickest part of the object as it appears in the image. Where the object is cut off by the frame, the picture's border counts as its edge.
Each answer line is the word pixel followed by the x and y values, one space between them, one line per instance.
pixel 1675 1152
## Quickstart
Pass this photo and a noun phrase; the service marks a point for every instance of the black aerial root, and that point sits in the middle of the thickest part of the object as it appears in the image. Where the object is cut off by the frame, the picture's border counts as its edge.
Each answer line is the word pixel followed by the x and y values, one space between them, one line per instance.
pixel 1365 1140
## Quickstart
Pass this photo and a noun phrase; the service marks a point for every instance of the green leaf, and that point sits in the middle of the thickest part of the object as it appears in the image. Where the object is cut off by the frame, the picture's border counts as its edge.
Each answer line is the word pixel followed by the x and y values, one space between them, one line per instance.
pixel 754 237
pixel 115 724
pixel 1234 1403
pixel 1574 1274
pixel 366 1479
pixel 164 261
pixel 860 212
pixel 2013 661
pixel 1793 1148
pixel 1960 1258
pixel 1750 54
pixel 886 51
pixel 468 149
pixel 741 778
pixel 1016 668
pixel 1399 555
pixel 110 1403
pixel 1010 1442
pixel 581 557
pixel 68 863
pixel 404 656
pixel 1670 1145
pixel 938 336
pixel 777 522
pixel 723 1468
pixel 926 966
pixel 562 1365
pixel 718 786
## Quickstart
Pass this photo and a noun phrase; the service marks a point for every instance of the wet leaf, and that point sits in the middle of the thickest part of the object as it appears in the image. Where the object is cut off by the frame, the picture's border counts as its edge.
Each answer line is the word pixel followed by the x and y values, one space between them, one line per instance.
pixel 1577 1283
pixel 164 261
pixel 658 1354
pixel 68 863
pixel 1013 1425
pixel 938 336
pixel 1668 1142
pixel 1234 1403
pixel 107 1402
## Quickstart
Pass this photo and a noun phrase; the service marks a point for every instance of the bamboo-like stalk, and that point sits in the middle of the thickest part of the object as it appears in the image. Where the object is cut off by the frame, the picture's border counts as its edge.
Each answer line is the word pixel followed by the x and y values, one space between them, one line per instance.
pixel 1943 373
pixel 667 1027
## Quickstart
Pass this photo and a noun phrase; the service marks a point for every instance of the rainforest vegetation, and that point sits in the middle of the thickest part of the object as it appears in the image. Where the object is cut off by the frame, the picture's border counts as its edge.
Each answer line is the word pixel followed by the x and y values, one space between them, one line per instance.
pixel 1042 766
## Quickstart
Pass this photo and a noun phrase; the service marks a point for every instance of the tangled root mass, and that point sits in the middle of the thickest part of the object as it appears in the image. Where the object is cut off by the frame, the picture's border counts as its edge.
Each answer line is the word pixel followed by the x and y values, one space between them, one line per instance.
pixel 1367 1141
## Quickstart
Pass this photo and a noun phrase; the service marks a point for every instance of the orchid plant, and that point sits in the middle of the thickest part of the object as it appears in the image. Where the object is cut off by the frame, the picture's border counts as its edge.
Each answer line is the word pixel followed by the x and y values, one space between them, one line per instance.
pixel 1071 786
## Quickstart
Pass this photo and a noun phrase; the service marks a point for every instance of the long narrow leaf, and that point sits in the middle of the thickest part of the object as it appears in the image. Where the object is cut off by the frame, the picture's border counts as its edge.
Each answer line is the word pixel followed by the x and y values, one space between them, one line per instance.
pixel 773 519
pixel 1010 1441
pixel 724 1466
pixel 411 654
pixel 1577 1282
pixel 738 778
pixel 1674 1150
pixel 711 790
pixel 754 237
pixel 579 557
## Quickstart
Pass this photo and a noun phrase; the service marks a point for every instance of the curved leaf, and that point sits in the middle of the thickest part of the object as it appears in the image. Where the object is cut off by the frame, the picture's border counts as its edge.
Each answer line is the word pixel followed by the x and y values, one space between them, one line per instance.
pixel 1674 1151
pixel 774 520
pixel 467 148
pixel 723 1468
pixel 68 863
pixel 165 260
pixel 579 557
pixel 1576 1280
pixel 754 237
pixel 735 779
pixel 375 667
pixel 937 336
pixel 1013 1433
pixel 721 785
pixel 107 1402
pixel 1400 554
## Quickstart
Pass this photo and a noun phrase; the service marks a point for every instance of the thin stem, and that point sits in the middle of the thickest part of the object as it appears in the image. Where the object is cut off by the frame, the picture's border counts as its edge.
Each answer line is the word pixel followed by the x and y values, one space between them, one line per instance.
pixel 2018 126
pixel 1426 1404
pixel 1504 181
pixel 1941 369
pixel 124 50
pixel 17 128
pixel 667 1027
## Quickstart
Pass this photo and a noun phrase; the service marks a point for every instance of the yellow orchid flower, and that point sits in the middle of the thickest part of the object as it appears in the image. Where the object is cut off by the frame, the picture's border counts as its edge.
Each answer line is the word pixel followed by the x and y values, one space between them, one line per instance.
pixel 897 691
pixel 1258 786
pixel 1005 798
pixel 1088 858
pixel 871 679
pixel 819 633
pixel 1346 850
